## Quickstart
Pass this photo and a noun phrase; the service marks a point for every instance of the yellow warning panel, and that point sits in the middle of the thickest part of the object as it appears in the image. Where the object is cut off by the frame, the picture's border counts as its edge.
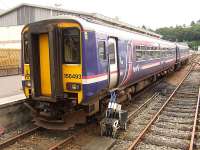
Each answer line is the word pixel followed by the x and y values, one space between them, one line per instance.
pixel 44 65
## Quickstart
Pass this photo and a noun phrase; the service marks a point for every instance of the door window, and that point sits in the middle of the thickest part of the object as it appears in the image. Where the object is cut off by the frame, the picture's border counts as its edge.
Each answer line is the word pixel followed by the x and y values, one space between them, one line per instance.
pixel 112 53
pixel 102 50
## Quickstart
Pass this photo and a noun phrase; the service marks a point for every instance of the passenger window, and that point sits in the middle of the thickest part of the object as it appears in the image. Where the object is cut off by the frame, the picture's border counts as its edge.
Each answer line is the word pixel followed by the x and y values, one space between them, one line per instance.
pixel 151 53
pixel 164 54
pixel 157 54
pixel 143 48
pixel 71 46
pixel 112 53
pixel 138 55
pixel 102 50
pixel 146 55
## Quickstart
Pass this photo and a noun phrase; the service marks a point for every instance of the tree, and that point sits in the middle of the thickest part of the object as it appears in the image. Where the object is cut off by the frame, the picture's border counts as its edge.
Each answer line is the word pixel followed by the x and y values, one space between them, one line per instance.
pixel 181 34
pixel 192 23
pixel 143 27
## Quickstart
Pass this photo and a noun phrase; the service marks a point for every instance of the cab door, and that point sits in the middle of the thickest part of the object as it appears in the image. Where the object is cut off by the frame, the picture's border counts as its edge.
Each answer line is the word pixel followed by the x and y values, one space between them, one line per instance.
pixel 113 64
pixel 44 65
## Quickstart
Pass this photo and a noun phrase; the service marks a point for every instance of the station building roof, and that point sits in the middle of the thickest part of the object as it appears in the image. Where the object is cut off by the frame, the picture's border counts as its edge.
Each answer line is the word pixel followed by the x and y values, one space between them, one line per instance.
pixel 28 13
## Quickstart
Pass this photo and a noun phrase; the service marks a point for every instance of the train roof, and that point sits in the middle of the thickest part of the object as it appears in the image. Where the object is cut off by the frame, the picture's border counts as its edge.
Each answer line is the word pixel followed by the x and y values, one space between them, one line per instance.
pixel 112 30
pixel 182 45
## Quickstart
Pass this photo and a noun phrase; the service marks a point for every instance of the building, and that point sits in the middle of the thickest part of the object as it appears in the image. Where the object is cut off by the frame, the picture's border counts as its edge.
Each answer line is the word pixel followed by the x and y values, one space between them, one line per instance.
pixel 27 13
pixel 1 11
pixel 12 21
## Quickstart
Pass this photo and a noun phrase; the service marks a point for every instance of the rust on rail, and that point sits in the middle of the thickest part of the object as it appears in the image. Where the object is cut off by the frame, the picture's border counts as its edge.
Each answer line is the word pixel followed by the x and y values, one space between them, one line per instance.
pixel 65 141
pixel 144 104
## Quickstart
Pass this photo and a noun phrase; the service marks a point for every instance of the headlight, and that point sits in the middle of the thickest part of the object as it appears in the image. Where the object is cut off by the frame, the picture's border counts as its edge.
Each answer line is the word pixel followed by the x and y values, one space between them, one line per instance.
pixel 28 83
pixel 73 86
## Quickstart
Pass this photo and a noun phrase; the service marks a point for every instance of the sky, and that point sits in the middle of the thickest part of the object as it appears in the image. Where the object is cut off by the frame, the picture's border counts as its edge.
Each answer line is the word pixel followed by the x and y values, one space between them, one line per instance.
pixel 151 13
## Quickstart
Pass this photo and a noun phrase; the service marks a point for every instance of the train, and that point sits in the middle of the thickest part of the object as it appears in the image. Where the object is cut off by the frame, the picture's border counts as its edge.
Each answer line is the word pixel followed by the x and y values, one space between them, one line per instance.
pixel 71 64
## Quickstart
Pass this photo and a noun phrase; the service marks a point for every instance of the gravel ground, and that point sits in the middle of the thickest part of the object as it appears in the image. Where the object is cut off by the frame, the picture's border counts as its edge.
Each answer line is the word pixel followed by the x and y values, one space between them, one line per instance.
pixel 12 132
pixel 138 123
pixel 177 133
pixel 40 140
pixel 172 130
pixel 180 122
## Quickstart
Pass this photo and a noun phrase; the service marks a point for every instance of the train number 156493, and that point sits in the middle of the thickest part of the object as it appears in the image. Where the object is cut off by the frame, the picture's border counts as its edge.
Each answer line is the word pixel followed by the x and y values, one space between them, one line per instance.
pixel 74 76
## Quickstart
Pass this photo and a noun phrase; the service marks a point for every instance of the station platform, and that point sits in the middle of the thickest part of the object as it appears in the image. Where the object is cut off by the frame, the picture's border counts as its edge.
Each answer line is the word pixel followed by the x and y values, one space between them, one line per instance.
pixel 10 85
pixel 10 100
pixel 12 109
pixel 10 90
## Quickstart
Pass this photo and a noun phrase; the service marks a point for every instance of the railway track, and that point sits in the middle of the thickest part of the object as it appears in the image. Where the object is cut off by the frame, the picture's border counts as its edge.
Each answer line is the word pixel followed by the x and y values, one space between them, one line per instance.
pixel 136 111
pixel 23 136
pixel 174 123
pixel 68 139
pixel 131 115
pixel 18 137
pixel 38 138
pixel 143 103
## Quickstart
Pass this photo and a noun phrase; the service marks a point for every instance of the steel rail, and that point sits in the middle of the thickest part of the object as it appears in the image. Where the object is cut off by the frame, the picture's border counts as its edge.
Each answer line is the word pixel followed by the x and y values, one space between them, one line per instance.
pixel 65 141
pixel 195 123
pixel 135 142
pixel 17 137
pixel 141 106
pixel 68 139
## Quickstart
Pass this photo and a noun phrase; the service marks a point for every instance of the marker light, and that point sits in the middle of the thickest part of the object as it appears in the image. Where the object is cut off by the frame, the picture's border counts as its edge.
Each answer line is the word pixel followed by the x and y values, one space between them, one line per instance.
pixel 73 86
pixel 28 83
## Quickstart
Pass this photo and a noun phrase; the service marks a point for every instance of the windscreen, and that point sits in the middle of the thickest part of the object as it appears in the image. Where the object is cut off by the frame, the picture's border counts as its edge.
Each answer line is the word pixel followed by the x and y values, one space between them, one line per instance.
pixel 71 46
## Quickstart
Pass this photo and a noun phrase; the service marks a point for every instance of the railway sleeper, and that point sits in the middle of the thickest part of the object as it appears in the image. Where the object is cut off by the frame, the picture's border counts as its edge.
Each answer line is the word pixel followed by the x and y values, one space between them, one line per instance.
pixel 180 110
pixel 177 126
pixel 166 141
pixel 184 102
pixel 173 133
pixel 154 147
pixel 183 107
pixel 175 120
pixel 178 114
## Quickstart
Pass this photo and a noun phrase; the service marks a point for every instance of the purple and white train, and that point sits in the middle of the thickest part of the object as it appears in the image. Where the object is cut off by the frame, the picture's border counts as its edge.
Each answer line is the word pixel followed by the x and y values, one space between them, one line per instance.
pixel 70 65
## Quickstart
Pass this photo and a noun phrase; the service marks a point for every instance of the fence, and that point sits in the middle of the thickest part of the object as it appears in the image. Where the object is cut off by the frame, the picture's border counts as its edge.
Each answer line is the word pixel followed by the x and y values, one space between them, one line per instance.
pixel 10 62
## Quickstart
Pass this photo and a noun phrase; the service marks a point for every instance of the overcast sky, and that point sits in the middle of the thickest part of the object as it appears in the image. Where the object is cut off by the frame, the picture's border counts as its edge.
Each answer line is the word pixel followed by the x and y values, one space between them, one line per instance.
pixel 151 13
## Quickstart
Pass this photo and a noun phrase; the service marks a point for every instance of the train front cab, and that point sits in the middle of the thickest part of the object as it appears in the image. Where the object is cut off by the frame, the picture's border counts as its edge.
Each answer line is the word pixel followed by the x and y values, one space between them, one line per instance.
pixel 53 70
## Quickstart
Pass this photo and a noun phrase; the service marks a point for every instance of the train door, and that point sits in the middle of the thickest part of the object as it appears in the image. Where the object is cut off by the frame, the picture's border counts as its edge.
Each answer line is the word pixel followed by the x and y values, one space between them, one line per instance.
pixel 113 66
pixel 44 64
